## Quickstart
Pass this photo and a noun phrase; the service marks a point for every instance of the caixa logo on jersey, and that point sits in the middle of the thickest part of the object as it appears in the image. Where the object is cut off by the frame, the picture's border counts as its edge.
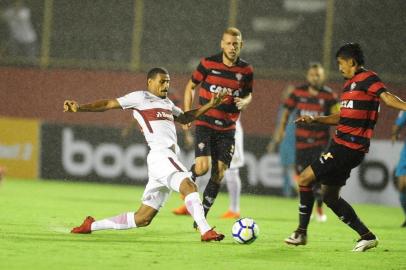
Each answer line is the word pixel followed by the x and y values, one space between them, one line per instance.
pixel 93 154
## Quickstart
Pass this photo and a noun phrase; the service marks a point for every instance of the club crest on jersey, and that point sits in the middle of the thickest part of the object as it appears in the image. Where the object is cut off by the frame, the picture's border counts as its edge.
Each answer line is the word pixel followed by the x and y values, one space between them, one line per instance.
pixel 238 76
pixel 348 104
pixel 353 85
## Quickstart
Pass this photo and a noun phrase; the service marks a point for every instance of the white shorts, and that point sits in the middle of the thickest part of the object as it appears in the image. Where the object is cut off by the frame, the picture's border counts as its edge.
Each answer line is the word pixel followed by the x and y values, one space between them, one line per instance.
pixel 165 174
pixel 238 157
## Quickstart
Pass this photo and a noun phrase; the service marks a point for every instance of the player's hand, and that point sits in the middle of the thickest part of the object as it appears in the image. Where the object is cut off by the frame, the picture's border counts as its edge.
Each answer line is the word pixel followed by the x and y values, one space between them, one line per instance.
pixel 70 106
pixel 307 119
pixel 217 98
pixel 241 103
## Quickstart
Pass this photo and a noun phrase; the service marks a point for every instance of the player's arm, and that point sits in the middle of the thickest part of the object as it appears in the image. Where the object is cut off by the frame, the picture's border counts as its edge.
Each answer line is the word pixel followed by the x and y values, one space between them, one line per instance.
pixel 331 119
pixel 97 106
pixel 191 115
pixel 393 101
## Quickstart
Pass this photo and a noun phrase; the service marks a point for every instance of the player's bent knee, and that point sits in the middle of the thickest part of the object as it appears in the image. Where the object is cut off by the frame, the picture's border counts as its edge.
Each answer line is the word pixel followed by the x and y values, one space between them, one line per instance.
pixel 187 187
pixel 201 168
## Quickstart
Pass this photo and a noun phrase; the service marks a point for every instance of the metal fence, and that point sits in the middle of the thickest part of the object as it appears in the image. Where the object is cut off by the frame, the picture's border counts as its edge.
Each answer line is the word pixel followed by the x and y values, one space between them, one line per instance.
pixel 281 36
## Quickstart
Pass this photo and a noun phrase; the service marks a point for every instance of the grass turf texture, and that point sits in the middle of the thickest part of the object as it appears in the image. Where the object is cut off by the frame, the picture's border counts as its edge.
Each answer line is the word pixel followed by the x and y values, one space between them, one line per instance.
pixel 36 216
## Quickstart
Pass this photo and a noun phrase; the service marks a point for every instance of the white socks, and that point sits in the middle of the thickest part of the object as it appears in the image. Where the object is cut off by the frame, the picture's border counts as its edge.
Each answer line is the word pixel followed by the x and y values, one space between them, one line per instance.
pixel 121 222
pixel 195 208
pixel 233 181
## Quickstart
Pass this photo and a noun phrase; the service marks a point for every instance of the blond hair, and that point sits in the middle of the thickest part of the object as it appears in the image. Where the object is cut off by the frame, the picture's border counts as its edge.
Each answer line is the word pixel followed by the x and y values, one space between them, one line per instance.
pixel 233 31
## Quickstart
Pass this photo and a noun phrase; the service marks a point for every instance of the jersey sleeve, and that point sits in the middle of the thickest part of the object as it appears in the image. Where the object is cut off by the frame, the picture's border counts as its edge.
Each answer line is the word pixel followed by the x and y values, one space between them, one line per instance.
pixel 200 73
pixel 131 100
pixel 401 120
pixel 291 102
pixel 374 86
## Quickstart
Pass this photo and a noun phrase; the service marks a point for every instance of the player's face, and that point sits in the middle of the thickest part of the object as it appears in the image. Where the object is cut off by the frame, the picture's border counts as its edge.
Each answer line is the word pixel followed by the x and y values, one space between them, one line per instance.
pixel 346 67
pixel 231 46
pixel 159 85
pixel 316 77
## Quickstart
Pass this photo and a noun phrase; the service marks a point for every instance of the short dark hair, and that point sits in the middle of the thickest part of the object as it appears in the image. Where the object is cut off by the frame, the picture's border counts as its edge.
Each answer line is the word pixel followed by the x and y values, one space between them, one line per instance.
pixel 351 50
pixel 156 70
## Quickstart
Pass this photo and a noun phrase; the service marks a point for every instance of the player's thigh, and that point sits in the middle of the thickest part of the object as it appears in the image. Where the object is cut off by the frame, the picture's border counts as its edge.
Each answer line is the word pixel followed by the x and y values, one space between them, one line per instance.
pixel 202 165
pixel 203 137
pixel 156 193
pixel 306 177
pixel 223 147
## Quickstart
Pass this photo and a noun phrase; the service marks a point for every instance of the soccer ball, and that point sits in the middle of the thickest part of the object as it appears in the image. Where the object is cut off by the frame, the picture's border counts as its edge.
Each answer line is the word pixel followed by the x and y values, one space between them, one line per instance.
pixel 245 231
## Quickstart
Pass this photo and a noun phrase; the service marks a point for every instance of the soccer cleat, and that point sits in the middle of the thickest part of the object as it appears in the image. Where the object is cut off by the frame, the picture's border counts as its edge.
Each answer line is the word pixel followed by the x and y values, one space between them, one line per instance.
pixel 230 215
pixel 85 227
pixel 363 245
pixel 296 239
pixel 212 235
pixel 181 211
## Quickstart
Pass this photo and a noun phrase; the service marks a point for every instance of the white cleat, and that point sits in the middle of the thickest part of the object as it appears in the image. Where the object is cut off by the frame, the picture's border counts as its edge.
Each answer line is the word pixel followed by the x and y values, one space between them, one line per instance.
pixel 296 239
pixel 364 245
pixel 321 218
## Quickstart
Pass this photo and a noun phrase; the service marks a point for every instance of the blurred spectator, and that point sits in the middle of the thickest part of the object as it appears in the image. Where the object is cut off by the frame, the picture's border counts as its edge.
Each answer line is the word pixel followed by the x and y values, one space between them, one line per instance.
pixel 401 168
pixel 22 39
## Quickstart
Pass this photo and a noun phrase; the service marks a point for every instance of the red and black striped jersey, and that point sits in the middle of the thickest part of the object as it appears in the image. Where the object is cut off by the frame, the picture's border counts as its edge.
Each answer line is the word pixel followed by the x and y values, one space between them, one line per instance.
pixel 213 76
pixel 359 110
pixel 315 135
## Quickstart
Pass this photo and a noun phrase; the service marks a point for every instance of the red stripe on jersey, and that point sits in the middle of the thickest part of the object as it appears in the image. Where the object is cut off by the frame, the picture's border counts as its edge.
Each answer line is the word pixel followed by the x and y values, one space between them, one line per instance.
pixel 289 103
pixel 220 66
pixel 222 115
pixel 175 164
pixel 360 77
pixel 359 114
pixel 375 87
pixel 365 133
pixel 310 133
pixel 216 80
pixel 354 146
pixel 145 120
pixel 302 145
pixel 202 123
pixel 197 76
pixel 358 95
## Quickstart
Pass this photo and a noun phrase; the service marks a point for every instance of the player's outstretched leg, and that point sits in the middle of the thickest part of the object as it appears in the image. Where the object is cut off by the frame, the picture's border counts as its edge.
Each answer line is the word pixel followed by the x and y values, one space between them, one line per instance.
pixel 233 181
pixel 306 197
pixel 141 218
pixel 346 213
pixel 195 208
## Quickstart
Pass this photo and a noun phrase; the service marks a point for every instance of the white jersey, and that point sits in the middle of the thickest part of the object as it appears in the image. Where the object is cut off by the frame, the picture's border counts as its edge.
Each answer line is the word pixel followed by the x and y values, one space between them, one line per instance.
pixel 155 115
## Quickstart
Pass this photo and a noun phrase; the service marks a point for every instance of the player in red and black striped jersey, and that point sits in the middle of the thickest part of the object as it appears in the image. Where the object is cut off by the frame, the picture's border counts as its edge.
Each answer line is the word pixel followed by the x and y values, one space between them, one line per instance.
pixel 214 140
pixel 312 99
pixel 355 122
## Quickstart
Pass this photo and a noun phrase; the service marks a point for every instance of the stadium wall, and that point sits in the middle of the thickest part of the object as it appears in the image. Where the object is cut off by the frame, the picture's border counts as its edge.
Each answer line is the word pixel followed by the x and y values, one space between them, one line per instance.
pixel 35 93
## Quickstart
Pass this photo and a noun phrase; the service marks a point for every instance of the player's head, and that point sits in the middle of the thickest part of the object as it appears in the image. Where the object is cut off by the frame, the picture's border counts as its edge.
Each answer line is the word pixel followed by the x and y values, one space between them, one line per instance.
pixel 231 43
pixel 158 81
pixel 316 75
pixel 349 58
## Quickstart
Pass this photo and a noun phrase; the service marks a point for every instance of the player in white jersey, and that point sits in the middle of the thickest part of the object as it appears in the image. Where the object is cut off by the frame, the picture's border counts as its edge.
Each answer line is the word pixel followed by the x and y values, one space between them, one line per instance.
pixel 232 175
pixel 155 114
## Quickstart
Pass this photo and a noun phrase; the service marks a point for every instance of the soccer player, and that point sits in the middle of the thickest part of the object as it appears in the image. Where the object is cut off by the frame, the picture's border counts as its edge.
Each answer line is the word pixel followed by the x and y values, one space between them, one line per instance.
pixel 355 122
pixel 401 168
pixel 223 72
pixel 156 114
pixel 311 99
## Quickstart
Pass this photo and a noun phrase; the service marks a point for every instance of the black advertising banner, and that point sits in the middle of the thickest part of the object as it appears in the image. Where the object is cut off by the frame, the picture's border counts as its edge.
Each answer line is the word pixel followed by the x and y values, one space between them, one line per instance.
pixel 100 154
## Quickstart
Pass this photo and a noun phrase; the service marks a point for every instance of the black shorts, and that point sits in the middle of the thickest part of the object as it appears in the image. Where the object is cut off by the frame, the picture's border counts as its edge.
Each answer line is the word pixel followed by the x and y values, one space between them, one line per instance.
pixel 306 157
pixel 217 144
pixel 334 167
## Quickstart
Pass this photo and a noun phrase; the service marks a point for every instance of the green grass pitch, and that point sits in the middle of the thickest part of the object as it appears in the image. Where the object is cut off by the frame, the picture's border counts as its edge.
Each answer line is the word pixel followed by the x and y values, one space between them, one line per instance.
pixel 35 218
